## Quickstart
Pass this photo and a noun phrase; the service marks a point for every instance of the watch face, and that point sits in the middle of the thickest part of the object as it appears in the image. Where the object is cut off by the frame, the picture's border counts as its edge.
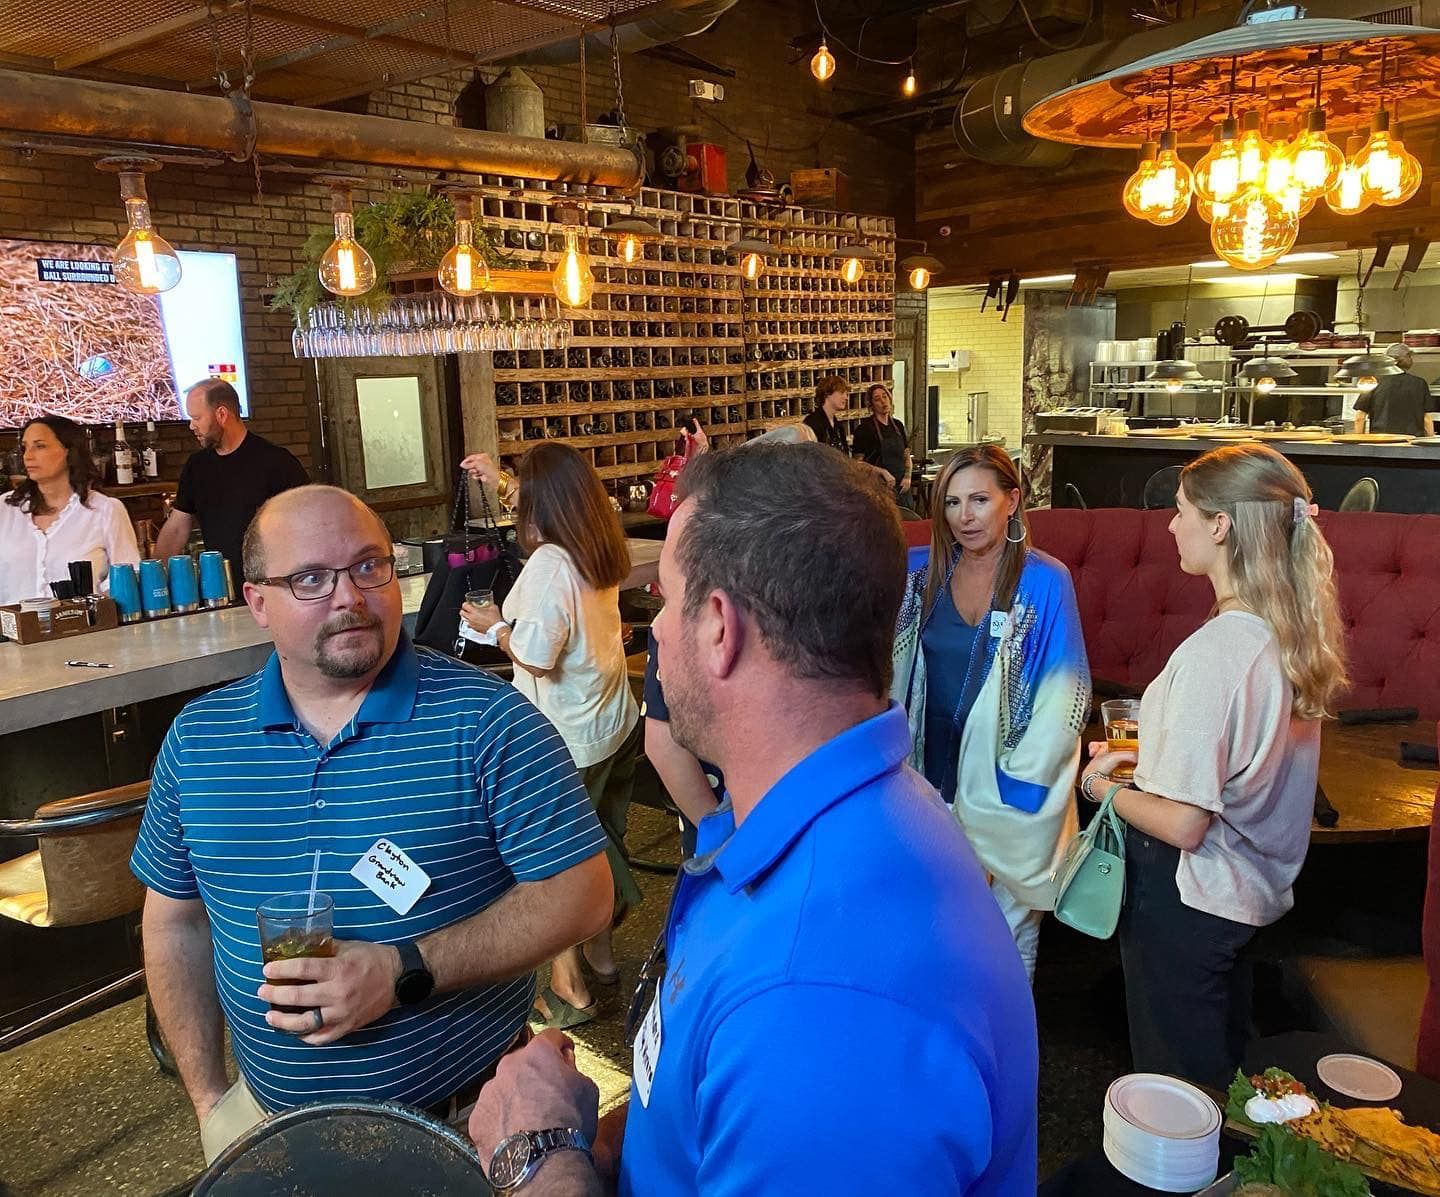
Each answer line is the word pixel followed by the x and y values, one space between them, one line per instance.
pixel 507 1165
pixel 414 987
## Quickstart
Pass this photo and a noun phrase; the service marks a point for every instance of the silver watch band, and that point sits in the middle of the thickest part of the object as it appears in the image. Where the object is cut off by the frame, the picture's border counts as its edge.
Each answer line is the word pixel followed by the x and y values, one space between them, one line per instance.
pixel 543 1143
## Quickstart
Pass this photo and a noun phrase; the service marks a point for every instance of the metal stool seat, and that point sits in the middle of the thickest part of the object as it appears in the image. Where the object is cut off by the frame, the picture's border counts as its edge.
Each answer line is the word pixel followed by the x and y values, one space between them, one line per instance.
pixel 345 1148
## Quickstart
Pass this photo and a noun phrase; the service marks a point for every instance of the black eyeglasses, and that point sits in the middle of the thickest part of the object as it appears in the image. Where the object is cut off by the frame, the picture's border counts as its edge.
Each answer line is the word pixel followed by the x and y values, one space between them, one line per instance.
pixel 652 975
pixel 309 585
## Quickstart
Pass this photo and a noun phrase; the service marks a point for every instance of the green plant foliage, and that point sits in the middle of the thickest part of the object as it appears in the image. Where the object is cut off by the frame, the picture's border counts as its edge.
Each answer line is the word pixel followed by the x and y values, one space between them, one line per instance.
pixel 410 231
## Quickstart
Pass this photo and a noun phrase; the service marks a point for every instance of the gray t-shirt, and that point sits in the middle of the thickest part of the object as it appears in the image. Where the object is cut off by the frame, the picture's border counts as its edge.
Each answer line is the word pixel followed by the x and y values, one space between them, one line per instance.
pixel 1217 732
pixel 1398 405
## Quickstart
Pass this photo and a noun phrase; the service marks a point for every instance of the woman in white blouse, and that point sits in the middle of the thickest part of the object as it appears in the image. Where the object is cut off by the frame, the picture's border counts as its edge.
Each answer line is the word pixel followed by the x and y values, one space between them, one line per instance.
pixel 561 627
pixel 1220 806
pixel 56 516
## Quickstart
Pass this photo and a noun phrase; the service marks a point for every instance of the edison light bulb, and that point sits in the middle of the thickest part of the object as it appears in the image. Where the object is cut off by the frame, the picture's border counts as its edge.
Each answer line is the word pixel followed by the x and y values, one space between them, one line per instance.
pixel 1317 160
pixel 908 87
pixel 1137 186
pixel 1255 232
pixel 144 261
pixel 1217 174
pixel 1390 172
pixel 919 279
pixel 572 278
pixel 1165 195
pixel 1348 197
pixel 1367 383
pixel 630 250
pixel 1174 385
pixel 1265 385
pixel 463 270
pixel 752 266
pixel 346 269
pixel 1254 151
pixel 1279 166
pixel 822 66
pixel 852 271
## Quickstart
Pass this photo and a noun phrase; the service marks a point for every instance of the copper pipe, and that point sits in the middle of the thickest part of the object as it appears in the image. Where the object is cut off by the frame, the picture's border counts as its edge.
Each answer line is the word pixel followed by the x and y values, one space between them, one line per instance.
pixel 58 105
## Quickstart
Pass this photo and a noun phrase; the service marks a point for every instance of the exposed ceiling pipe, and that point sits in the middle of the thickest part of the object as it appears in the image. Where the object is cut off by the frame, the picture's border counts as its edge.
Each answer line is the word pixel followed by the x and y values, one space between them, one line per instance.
pixel 657 29
pixel 115 112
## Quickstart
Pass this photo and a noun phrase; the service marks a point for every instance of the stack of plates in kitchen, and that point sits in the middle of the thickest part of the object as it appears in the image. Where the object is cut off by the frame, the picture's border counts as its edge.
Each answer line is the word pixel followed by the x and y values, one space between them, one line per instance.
pixel 1162 1133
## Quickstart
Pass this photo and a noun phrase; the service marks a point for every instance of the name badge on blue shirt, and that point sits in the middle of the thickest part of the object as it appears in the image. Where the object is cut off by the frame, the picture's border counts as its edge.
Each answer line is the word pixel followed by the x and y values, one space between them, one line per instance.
pixel 997 624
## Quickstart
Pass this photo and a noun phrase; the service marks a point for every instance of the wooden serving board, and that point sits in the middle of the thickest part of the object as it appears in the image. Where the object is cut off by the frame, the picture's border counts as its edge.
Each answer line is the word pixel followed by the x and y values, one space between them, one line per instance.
pixel 1371 438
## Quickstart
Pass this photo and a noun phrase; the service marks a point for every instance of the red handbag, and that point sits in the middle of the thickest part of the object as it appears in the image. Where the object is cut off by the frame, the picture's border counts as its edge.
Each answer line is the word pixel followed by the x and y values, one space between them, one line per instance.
pixel 662 497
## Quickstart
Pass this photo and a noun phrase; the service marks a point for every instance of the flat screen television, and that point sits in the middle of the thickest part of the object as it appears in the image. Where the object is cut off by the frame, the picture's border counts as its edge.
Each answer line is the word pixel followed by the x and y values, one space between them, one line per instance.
pixel 75 343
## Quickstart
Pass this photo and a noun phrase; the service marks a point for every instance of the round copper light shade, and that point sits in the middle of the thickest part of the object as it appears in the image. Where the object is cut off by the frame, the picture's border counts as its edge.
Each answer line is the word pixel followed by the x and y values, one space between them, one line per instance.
pixel 1271 67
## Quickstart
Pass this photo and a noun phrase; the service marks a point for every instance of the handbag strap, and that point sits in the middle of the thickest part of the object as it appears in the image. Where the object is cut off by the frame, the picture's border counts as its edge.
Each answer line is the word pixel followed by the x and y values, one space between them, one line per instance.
pixel 1108 817
pixel 460 512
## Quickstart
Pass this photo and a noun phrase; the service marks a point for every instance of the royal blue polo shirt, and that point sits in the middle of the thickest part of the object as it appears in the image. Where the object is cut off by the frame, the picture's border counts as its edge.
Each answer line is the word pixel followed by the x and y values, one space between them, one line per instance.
pixel 843 1010
pixel 449 763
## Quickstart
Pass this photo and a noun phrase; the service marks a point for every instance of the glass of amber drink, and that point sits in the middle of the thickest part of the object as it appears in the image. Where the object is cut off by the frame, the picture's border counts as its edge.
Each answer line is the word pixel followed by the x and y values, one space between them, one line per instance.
pixel 292 926
pixel 1122 731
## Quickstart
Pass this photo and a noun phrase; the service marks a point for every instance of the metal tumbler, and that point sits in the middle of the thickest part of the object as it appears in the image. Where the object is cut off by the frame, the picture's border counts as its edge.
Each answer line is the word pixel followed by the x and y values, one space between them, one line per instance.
pixel 154 588
pixel 214 590
pixel 125 590
pixel 184 586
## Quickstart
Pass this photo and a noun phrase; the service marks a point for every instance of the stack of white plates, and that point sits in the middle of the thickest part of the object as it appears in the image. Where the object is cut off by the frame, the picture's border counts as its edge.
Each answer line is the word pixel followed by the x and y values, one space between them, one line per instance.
pixel 1162 1132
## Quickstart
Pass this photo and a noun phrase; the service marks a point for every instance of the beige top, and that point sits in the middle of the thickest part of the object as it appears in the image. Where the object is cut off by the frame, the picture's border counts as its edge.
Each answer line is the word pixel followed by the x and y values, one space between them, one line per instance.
pixel 560 623
pixel 1216 731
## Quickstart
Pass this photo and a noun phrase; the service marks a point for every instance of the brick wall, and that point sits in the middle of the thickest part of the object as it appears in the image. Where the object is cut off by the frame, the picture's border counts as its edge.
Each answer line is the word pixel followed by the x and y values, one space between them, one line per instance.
pixel 997 353
pixel 772 101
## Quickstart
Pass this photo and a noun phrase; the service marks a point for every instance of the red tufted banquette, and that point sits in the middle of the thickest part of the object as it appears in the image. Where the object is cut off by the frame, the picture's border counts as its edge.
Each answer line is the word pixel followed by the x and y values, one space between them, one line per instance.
pixel 1137 605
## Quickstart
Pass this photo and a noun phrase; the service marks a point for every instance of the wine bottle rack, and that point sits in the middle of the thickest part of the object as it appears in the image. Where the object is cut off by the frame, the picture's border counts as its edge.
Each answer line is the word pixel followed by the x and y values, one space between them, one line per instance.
pixel 679 333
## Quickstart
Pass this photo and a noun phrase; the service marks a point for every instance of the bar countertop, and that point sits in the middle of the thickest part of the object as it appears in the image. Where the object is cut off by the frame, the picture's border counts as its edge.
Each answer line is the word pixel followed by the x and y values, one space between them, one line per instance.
pixel 1195 444
pixel 168 656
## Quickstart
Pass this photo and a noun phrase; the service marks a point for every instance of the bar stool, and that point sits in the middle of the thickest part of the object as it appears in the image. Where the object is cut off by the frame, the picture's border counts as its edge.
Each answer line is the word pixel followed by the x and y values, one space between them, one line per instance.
pixel 78 874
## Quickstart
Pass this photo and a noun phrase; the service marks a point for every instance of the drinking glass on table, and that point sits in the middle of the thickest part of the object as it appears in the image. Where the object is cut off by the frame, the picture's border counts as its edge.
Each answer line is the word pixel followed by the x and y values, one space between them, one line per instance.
pixel 293 926
pixel 1122 730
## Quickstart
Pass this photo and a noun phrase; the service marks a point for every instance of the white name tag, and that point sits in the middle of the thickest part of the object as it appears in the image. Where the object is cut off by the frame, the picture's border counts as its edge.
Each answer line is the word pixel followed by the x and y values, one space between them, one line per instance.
pixel 387 870
pixel 997 624
pixel 647 1050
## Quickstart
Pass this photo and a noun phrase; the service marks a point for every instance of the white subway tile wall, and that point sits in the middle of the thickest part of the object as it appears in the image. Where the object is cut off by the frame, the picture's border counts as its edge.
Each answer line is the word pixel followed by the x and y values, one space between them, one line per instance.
pixel 997 357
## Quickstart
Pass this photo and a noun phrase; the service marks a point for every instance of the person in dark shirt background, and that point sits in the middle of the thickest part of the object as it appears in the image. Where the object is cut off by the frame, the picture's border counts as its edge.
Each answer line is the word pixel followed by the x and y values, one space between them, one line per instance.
pixel 1401 404
pixel 832 393
pixel 880 441
pixel 228 480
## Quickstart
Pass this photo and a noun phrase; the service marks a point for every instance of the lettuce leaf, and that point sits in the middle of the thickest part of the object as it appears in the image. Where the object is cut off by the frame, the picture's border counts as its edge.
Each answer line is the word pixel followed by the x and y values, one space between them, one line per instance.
pixel 1241 1091
pixel 1301 1167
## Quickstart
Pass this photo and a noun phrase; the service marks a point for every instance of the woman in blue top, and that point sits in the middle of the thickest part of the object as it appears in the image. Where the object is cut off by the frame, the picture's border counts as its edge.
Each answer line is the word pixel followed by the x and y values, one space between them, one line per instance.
pixel 990 664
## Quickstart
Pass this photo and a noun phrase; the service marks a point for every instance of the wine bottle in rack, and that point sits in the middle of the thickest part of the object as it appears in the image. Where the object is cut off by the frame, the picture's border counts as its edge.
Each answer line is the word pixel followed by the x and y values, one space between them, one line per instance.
pixel 124 458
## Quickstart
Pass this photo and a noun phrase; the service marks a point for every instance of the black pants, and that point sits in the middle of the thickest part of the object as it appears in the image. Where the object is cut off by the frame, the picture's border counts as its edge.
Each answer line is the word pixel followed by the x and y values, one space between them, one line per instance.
pixel 1187 993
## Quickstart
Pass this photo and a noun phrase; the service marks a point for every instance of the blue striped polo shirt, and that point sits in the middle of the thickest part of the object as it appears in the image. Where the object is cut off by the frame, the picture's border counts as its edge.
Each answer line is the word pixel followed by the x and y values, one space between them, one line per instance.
pixel 448 762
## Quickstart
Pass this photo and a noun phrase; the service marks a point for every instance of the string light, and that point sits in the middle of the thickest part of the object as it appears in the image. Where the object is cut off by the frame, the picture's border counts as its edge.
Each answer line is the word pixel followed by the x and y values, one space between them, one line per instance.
pixel 822 66
pixel 144 262
pixel 345 268
pixel 572 279
pixel 1391 173
pixel 907 89
pixel 463 270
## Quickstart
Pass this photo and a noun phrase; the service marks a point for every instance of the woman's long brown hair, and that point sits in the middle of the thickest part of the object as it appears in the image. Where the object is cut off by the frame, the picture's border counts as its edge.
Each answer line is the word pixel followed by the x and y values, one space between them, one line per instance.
pixel 84 474
pixel 942 540
pixel 563 502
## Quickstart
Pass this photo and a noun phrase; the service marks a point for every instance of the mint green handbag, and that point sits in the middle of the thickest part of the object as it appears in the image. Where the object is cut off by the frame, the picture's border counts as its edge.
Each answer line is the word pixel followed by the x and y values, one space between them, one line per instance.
pixel 1090 882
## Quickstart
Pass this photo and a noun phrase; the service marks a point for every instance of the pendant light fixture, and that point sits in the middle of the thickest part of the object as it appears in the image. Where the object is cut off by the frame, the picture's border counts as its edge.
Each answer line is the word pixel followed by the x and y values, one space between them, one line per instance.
pixel 909 87
pixel 1318 160
pixel 1366 370
pixel 633 234
pixel 1264 373
pixel 1256 231
pixel 1391 173
pixel 345 268
pixel 752 253
pixel 144 262
pixel 822 66
pixel 1175 374
pixel 463 270
pixel 572 279
pixel 921 269
pixel 1254 151
pixel 852 268
pixel 1217 174
pixel 1136 190
pixel 1165 196
pixel 1348 196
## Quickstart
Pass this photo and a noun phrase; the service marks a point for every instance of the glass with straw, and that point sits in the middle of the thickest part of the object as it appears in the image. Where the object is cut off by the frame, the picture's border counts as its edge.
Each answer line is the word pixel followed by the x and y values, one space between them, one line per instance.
pixel 296 925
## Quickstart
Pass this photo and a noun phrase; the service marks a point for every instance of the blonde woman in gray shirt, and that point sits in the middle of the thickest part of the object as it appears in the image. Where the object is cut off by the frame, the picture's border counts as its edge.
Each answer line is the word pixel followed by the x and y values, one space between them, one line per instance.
pixel 1220 806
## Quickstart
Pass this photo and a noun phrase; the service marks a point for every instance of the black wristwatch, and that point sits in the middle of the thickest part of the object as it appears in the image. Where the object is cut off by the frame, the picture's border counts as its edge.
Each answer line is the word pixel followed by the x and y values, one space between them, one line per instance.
pixel 415 982
pixel 517 1158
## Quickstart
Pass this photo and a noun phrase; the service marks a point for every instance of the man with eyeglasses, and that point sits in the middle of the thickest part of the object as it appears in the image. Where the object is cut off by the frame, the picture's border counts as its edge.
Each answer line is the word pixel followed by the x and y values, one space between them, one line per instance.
pixel 442 811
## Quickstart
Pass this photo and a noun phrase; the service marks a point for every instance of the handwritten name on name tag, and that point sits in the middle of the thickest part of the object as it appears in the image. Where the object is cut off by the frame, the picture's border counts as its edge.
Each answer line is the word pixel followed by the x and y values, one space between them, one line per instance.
pixel 387 870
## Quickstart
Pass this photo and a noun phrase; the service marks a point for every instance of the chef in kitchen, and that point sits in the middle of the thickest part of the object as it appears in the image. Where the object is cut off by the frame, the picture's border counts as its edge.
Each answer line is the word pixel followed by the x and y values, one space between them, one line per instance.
pixel 1400 404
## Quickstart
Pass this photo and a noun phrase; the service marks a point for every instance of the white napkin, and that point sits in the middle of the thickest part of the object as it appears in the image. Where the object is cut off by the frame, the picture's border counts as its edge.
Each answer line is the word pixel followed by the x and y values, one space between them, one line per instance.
pixel 490 636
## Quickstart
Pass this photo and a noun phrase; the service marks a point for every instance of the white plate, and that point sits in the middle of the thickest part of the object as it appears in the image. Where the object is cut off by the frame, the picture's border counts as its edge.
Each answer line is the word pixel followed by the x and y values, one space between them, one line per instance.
pixel 1359 1077
pixel 1166 1178
pixel 1163 1106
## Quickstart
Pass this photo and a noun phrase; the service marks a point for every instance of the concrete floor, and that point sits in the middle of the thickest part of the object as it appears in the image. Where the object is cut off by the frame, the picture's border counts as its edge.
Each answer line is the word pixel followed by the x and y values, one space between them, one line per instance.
pixel 85 1111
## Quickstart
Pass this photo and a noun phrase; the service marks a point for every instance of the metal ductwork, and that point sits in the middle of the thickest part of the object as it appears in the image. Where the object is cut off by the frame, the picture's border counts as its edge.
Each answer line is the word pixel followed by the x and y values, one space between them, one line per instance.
pixel 987 121
pixel 52 105
pixel 657 29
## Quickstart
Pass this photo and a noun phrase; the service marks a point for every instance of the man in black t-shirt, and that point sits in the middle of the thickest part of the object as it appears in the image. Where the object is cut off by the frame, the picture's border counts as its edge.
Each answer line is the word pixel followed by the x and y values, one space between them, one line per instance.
pixel 1401 404
pixel 228 480
pixel 832 393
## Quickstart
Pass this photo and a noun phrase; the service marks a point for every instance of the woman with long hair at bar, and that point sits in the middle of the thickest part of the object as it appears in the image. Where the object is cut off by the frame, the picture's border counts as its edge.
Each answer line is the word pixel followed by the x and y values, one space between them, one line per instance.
pixel 561 627
pixel 1220 805
pixel 990 664
pixel 56 516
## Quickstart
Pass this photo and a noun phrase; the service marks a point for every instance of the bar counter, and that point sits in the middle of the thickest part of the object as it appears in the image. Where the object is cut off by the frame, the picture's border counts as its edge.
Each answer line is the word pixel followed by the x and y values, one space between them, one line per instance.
pixel 1111 471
